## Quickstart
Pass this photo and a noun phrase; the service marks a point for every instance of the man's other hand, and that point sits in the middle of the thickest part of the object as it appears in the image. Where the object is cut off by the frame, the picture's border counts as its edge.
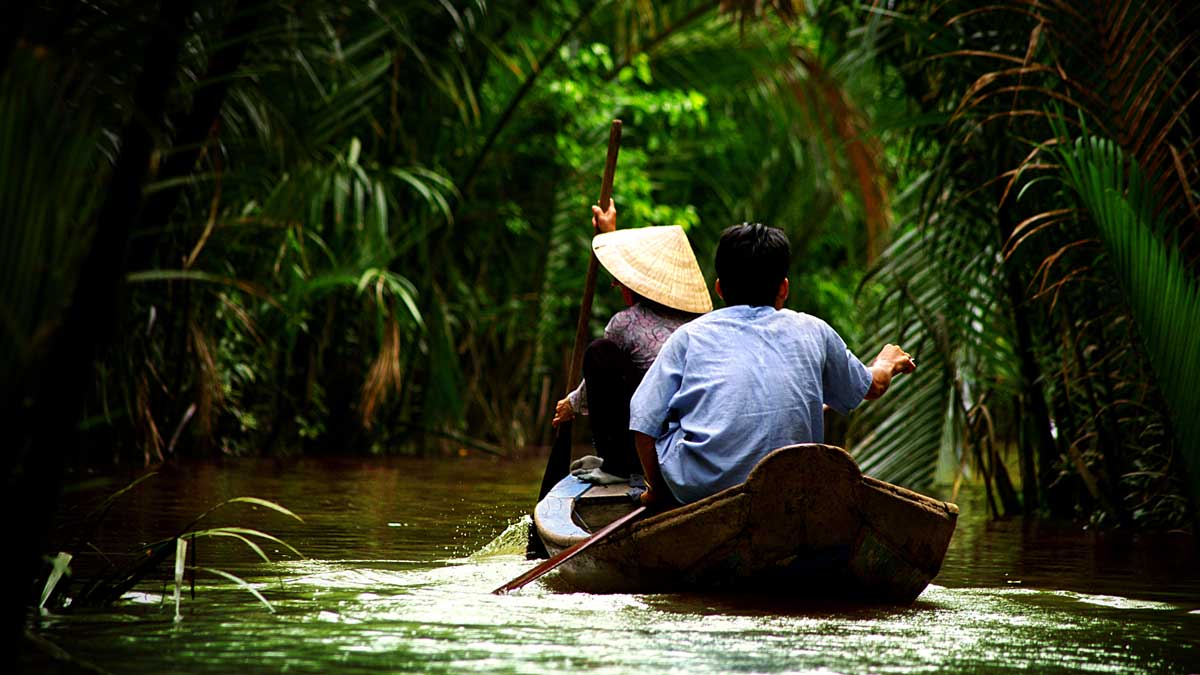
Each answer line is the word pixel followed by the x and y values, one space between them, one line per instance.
pixel 604 221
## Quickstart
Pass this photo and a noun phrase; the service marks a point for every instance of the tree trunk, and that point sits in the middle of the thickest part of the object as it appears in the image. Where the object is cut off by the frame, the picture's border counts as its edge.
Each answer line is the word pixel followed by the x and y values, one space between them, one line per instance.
pixel 10 31
pixel 196 127
pixel 1036 446
pixel 47 424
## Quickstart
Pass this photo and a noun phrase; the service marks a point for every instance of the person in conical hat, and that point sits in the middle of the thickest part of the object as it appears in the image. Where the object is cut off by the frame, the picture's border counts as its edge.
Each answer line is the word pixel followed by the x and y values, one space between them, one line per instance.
pixel 663 288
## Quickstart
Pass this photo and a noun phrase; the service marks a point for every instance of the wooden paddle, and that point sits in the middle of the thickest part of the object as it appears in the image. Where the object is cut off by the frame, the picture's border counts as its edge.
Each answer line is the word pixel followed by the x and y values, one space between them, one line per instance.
pixel 568 553
pixel 559 462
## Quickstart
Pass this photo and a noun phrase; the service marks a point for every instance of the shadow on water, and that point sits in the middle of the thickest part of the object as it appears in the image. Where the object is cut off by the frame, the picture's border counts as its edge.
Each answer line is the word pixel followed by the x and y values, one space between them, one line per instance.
pixel 403 554
pixel 759 604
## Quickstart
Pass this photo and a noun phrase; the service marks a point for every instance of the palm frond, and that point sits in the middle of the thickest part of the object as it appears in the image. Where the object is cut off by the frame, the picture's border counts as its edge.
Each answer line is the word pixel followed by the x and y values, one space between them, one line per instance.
pixel 959 336
pixel 48 199
pixel 1163 295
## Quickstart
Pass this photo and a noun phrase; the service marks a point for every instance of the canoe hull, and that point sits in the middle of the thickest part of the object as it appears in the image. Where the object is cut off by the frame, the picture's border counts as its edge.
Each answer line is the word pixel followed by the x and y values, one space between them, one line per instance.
pixel 805 523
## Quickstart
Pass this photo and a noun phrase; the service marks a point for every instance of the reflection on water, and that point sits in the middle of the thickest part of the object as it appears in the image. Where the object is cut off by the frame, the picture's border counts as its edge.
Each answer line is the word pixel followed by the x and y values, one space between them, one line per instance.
pixel 402 556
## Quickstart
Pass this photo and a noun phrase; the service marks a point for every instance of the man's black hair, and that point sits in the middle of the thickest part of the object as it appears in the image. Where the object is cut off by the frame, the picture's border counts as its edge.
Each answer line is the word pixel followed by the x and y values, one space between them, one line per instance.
pixel 752 260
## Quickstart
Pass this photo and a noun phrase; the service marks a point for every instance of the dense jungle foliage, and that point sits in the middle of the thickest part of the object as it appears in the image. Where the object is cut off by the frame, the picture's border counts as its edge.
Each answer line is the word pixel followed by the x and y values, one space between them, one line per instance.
pixel 266 227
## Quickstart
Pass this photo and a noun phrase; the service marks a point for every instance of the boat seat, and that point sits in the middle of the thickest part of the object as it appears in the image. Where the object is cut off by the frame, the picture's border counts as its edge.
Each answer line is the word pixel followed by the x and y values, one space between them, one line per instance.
pixel 602 504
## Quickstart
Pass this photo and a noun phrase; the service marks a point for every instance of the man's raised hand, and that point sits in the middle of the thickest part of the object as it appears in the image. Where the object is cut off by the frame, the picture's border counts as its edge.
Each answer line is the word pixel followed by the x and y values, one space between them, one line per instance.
pixel 900 360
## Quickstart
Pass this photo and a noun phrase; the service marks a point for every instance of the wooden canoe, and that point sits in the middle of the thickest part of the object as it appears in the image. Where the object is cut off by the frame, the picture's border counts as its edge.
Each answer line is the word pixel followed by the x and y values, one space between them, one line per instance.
pixel 805 523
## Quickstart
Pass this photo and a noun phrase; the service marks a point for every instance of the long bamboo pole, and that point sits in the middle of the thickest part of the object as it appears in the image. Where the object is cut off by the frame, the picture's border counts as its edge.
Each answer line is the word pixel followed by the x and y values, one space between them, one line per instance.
pixel 559 462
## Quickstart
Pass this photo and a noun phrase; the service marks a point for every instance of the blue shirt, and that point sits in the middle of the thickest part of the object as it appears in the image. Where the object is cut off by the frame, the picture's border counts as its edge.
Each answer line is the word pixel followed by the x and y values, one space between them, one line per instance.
pixel 735 384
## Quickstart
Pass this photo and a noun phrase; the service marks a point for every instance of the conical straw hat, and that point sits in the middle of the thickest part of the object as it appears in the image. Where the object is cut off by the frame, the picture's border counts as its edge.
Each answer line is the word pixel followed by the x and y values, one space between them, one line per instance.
pixel 657 263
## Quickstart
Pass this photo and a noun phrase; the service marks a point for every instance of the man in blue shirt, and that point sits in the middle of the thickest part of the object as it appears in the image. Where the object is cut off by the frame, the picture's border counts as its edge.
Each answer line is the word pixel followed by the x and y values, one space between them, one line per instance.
pixel 734 384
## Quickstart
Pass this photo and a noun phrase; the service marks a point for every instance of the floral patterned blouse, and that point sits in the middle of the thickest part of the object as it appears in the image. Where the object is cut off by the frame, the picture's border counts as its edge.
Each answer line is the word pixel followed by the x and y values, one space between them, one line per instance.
pixel 640 330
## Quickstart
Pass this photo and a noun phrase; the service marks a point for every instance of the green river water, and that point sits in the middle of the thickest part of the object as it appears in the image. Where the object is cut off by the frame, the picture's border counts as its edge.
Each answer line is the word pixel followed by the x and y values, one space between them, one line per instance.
pixel 401 556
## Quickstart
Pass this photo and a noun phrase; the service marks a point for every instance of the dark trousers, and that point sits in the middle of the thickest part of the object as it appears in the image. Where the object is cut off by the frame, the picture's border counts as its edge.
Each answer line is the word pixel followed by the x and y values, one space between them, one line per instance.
pixel 611 380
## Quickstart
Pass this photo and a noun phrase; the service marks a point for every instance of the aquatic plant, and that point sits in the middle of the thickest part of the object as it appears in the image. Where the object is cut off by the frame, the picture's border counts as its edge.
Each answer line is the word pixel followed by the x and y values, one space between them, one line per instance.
pixel 109 585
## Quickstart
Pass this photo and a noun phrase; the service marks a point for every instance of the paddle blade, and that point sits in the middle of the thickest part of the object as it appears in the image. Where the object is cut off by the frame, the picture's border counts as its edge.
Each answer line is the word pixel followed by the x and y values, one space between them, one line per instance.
pixel 548 566
pixel 558 464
